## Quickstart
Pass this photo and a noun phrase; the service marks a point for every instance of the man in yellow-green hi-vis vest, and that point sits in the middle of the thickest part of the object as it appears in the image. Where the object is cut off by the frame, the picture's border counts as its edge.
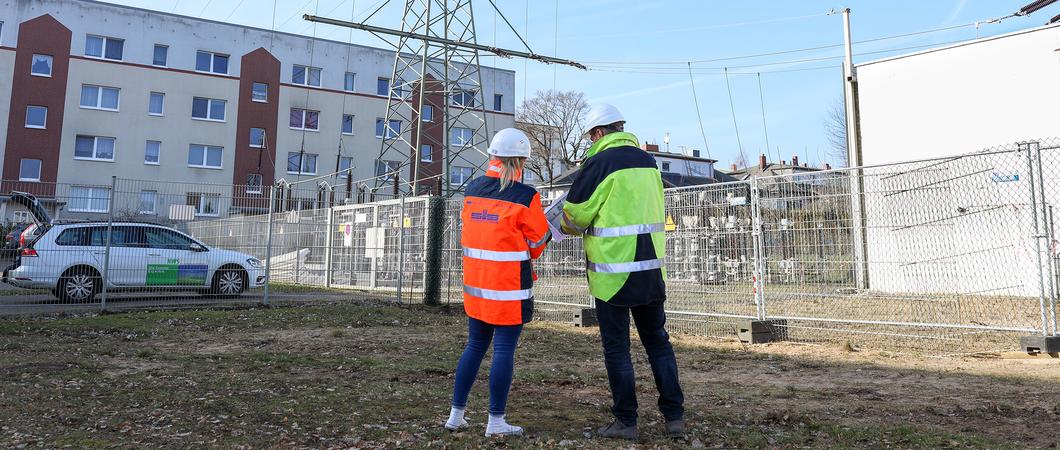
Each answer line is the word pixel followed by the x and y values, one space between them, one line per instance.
pixel 616 204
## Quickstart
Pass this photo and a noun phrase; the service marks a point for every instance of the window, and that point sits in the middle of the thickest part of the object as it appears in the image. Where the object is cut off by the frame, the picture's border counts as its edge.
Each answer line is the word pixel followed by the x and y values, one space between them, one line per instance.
pixel 382 86
pixel 152 151
pixel 665 166
pixel 392 131
pixel 161 55
pixel 257 138
pixel 464 98
pixel 29 170
pixel 347 124
pixel 260 93
pixel 386 169
pixel 104 47
pixel 208 109
pixel 155 237
pixel 459 175
pixel 304 119
pixel 94 148
pixel 89 199
pixel 211 62
pixel 205 156
pixel 99 97
pixel 156 104
pixel 305 75
pixel 254 183
pixel 36 116
pixel 205 204
pixel 428 113
pixel 498 102
pixel 426 153
pixel 41 65
pixel 307 162
pixel 350 82
pixel 147 202
pixel 461 137
pixel 22 217
pixel 345 163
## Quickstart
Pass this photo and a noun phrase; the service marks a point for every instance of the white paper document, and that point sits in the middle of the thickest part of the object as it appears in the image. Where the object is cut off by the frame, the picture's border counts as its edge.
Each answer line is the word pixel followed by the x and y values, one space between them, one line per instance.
pixel 554 215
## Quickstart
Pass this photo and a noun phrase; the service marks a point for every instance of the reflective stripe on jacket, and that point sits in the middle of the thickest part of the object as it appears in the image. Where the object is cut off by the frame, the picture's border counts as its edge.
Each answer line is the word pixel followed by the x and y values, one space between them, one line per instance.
pixel 616 203
pixel 502 231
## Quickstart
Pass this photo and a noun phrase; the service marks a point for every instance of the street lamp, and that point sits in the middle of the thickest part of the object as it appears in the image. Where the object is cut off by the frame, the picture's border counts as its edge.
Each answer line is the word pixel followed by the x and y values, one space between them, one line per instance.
pixel 666 140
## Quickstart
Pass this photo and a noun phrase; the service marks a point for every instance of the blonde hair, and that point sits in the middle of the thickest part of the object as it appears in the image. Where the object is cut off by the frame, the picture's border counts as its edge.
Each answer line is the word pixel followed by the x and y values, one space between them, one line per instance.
pixel 510 168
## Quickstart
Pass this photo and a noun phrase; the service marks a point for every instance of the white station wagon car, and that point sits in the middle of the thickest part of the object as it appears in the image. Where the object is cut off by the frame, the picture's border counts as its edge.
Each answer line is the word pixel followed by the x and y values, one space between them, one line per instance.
pixel 68 259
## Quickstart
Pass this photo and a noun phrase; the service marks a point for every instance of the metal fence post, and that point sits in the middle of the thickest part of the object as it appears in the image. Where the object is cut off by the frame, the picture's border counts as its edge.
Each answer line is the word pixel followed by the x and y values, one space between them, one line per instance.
pixel 1047 235
pixel 1036 234
pixel 432 289
pixel 329 239
pixel 759 253
pixel 401 249
pixel 106 251
pixel 268 245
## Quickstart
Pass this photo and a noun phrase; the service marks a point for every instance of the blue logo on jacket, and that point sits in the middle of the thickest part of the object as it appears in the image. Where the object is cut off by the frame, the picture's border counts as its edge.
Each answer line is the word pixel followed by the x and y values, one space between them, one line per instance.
pixel 485 216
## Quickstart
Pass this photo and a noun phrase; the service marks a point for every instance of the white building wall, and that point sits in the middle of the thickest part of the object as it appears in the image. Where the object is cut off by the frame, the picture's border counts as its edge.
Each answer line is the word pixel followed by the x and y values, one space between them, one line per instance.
pixel 133 127
pixel 960 99
pixel 956 100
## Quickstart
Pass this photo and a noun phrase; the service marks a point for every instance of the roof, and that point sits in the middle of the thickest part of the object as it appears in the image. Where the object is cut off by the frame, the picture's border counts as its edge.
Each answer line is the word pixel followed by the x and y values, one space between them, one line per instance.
pixel 681 156
pixel 770 169
pixel 670 179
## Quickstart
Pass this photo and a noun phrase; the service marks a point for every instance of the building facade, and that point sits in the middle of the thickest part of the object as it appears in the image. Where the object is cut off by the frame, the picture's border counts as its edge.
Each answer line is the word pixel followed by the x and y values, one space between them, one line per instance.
pixel 90 90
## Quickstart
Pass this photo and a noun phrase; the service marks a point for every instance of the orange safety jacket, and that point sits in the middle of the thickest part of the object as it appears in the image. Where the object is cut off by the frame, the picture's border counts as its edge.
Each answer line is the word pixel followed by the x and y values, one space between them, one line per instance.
pixel 502 231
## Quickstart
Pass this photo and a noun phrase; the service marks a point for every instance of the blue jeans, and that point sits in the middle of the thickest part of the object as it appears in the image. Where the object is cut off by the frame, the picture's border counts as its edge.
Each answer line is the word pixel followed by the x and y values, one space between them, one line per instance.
pixel 479 335
pixel 614 332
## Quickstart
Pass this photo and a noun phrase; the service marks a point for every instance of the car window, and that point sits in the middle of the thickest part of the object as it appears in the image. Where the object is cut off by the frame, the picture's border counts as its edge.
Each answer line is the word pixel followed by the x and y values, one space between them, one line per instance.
pixel 168 239
pixel 129 237
pixel 73 236
pixel 96 238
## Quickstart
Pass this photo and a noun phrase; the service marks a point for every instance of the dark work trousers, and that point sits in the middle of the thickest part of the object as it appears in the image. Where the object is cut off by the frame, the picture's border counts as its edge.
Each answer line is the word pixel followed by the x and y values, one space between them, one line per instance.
pixel 614 332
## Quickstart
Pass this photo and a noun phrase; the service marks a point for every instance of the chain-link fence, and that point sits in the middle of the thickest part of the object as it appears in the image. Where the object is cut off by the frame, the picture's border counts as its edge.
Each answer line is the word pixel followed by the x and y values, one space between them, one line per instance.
pixel 954 252
pixel 957 250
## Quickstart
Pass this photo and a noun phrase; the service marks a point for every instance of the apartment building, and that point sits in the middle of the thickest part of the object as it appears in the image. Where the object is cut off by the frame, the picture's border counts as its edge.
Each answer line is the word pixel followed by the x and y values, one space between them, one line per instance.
pixel 90 90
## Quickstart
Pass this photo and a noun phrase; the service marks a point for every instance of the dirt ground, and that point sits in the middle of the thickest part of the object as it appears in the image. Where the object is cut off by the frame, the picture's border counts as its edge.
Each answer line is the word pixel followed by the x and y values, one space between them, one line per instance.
pixel 365 374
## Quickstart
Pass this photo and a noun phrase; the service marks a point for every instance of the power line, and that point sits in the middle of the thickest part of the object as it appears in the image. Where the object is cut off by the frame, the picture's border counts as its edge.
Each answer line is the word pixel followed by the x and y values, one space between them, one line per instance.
pixel 234 10
pixel 784 52
pixel 203 10
pixel 732 107
pixel 295 13
pixel 673 70
pixel 699 114
pixel 765 128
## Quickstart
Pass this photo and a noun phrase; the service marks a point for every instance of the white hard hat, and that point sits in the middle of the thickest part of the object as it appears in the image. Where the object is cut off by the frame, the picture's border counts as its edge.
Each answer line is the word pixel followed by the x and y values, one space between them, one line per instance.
pixel 602 114
pixel 510 143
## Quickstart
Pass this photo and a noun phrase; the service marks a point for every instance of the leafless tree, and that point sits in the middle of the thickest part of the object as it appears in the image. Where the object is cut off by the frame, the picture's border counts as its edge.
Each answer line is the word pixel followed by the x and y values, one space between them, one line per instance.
pixel 835 129
pixel 553 121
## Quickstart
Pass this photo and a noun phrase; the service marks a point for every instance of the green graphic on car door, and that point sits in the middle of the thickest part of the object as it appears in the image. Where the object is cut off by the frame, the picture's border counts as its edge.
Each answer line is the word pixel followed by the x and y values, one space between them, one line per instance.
pixel 172 273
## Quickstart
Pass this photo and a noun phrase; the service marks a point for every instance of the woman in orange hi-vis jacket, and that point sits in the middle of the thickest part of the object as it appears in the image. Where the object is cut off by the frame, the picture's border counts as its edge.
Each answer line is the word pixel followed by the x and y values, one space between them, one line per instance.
pixel 504 228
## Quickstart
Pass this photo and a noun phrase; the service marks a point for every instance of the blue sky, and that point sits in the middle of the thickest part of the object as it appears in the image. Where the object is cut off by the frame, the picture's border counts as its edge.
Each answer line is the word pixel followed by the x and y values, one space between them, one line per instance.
pixel 638 50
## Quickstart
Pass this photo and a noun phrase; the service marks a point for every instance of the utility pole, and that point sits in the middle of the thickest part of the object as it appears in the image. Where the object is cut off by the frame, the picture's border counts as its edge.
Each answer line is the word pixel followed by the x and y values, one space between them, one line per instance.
pixel 854 156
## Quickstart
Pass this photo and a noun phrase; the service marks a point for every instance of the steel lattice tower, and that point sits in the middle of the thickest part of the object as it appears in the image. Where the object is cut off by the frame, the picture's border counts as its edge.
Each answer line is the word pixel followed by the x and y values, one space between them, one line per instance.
pixel 445 71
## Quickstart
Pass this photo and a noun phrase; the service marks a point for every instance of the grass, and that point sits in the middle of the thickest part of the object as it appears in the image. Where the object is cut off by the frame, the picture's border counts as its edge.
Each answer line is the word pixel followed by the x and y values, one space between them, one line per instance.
pixel 369 374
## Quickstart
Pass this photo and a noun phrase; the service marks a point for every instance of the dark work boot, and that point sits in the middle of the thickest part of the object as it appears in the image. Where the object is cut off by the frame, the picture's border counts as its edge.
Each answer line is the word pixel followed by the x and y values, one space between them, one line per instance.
pixel 676 429
pixel 619 430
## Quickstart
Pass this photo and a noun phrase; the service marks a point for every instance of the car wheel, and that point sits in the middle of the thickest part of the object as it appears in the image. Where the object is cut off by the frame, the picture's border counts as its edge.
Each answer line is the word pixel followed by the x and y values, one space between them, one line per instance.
pixel 78 285
pixel 229 282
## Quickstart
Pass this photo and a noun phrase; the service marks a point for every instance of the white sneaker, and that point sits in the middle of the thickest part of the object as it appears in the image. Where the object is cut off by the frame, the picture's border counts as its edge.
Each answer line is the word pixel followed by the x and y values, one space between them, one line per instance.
pixel 456 426
pixel 499 427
